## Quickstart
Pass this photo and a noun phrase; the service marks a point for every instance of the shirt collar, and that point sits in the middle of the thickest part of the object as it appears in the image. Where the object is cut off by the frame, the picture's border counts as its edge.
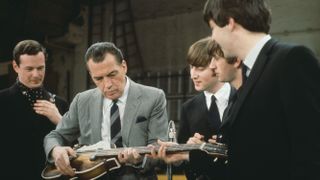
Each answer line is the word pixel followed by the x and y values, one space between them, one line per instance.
pixel 254 52
pixel 221 94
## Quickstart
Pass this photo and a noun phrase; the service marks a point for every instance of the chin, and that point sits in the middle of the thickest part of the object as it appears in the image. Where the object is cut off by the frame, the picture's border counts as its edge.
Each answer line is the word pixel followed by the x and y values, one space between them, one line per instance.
pixel 34 86
pixel 198 89
pixel 112 97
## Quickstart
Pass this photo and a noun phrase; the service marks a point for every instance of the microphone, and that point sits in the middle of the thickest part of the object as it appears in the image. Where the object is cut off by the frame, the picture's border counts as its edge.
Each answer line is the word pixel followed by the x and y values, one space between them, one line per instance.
pixel 172 138
pixel 172 131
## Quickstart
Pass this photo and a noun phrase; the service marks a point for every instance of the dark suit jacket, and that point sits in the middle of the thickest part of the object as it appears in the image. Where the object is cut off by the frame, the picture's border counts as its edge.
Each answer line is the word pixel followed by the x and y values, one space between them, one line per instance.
pixel 194 118
pixel 22 131
pixel 274 128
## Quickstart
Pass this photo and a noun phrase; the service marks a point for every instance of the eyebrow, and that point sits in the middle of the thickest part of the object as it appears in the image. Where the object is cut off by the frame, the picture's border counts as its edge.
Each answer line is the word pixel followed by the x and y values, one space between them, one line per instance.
pixel 34 67
pixel 109 74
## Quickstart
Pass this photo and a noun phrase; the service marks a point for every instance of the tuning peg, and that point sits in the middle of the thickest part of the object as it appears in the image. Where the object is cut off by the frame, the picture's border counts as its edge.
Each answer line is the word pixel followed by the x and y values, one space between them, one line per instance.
pixel 93 157
pixel 215 159
pixel 226 162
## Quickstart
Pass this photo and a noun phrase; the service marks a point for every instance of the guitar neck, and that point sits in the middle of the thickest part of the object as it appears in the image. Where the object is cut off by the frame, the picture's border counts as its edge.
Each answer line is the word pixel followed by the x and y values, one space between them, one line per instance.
pixel 142 150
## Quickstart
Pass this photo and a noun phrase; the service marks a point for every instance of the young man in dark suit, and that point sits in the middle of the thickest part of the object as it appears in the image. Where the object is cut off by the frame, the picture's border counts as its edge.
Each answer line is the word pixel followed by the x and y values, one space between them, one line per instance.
pixel 199 162
pixel 274 127
pixel 29 111
pixel 195 117
pixel 195 113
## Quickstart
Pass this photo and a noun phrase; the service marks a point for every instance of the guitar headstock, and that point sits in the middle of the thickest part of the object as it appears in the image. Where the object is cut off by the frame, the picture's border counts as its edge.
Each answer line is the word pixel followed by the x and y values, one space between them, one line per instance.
pixel 216 149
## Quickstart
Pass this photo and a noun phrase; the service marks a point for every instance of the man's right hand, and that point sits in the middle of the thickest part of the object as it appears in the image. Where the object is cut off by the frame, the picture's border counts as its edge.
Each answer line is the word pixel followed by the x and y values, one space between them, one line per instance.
pixel 168 158
pixel 196 139
pixel 61 156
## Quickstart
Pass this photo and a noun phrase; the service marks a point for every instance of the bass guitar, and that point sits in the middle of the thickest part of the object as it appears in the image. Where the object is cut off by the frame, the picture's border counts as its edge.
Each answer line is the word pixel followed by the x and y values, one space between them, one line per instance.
pixel 92 164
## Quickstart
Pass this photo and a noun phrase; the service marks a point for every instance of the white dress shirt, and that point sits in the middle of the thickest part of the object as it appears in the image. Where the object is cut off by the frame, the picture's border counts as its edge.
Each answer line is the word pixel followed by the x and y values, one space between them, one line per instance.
pixel 222 98
pixel 254 52
pixel 107 104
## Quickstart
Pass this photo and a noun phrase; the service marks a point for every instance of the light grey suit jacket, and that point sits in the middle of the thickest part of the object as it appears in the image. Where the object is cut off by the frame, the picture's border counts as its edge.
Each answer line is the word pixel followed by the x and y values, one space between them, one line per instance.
pixel 145 119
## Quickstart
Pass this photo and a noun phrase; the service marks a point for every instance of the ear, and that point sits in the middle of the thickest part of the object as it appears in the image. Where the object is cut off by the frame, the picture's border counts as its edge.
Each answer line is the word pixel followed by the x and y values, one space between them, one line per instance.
pixel 124 66
pixel 238 63
pixel 231 25
pixel 15 66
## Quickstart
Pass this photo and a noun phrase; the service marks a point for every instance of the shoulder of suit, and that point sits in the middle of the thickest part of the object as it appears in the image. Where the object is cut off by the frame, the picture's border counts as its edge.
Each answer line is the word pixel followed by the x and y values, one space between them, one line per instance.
pixel 10 91
pixel 283 47
pixel 88 94
pixel 145 87
pixel 195 99
pixel 4 92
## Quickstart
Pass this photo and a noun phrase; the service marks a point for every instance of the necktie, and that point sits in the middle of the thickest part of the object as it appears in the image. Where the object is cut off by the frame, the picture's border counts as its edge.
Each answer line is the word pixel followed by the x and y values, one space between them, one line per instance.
pixel 214 116
pixel 116 138
pixel 244 70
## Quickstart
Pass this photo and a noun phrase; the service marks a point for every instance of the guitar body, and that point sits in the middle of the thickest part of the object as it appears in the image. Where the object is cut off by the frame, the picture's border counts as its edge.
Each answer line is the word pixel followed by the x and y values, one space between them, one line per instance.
pixel 85 167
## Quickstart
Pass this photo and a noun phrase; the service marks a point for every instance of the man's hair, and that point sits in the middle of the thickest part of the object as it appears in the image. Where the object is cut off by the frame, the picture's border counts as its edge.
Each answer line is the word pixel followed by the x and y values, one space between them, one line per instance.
pixel 97 52
pixel 29 47
pixel 253 15
pixel 214 50
pixel 201 52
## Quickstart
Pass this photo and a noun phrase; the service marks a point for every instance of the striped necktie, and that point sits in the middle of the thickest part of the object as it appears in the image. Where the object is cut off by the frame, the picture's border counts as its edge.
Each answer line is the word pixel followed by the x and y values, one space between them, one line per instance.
pixel 116 138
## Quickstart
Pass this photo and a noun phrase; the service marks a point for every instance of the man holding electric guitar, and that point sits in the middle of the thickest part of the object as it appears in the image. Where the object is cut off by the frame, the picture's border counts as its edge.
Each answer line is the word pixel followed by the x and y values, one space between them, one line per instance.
pixel 119 112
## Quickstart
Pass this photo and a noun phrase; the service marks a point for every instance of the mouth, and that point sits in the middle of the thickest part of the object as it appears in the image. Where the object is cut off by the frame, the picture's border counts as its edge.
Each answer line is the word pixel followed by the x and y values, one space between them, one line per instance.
pixel 110 93
pixel 35 81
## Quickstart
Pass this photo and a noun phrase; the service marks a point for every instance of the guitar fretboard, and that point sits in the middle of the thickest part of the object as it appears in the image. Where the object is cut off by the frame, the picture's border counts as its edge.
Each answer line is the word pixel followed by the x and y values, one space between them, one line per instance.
pixel 216 149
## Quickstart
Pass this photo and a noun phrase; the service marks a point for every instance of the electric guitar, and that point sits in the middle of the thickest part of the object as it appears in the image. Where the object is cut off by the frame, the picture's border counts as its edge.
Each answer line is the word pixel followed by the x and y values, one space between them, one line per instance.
pixel 91 164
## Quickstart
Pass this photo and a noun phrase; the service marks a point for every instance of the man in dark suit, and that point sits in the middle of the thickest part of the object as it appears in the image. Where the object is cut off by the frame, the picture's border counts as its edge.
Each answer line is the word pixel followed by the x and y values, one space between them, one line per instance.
pixel 274 128
pixel 141 116
pixel 227 70
pixel 29 111
pixel 195 116
pixel 195 113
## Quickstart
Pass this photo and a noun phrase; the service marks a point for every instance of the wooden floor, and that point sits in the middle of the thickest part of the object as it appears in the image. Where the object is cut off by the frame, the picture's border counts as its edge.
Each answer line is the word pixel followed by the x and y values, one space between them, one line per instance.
pixel 174 177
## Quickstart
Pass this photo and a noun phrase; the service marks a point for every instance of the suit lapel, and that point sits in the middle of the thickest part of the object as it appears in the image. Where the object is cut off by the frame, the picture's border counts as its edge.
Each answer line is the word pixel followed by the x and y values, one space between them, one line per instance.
pixel 96 103
pixel 233 92
pixel 202 103
pixel 256 72
pixel 132 104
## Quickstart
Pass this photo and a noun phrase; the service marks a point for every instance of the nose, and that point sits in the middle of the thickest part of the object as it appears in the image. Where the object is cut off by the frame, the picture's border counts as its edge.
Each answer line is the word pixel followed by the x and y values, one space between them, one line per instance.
pixel 107 83
pixel 35 73
pixel 193 73
pixel 212 64
pixel 213 35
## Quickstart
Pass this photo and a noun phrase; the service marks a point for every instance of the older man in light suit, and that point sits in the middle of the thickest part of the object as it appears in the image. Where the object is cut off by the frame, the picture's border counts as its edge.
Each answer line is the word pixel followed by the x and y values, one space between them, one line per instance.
pixel 141 110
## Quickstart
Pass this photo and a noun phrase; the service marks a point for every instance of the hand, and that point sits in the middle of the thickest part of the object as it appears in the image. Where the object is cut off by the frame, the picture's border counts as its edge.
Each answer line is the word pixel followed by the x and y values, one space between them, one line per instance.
pixel 61 155
pixel 213 139
pixel 196 139
pixel 129 155
pixel 48 109
pixel 168 158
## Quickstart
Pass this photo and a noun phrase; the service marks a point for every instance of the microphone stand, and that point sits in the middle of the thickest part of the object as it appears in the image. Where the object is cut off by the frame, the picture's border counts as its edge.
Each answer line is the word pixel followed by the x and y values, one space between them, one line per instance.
pixel 172 138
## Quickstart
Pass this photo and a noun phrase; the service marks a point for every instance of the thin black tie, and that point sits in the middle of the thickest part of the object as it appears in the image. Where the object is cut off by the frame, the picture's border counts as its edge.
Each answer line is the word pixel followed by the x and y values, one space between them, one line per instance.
pixel 214 116
pixel 244 70
pixel 116 138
